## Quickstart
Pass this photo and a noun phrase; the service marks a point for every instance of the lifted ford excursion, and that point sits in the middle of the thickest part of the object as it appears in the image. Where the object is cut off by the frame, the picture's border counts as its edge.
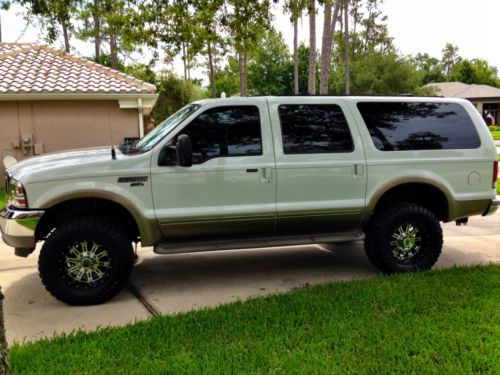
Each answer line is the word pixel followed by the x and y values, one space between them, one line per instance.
pixel 255 172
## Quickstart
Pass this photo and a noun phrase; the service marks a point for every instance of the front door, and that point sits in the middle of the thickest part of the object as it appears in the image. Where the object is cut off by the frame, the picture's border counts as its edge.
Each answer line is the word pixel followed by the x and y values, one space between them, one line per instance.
pixel 231 187
pixel 321 166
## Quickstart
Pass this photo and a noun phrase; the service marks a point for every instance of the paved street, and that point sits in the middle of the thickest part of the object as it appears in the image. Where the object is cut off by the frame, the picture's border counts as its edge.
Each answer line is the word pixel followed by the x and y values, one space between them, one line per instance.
pixel 174 283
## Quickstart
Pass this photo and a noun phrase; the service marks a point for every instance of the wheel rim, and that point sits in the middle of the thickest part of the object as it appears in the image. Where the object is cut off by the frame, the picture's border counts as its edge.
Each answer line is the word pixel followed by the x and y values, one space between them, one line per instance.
pixel 87 263
pixel 405 242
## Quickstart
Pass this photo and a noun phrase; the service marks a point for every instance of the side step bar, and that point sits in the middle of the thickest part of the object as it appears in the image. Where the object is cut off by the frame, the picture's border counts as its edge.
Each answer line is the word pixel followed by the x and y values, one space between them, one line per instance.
pixel 178 247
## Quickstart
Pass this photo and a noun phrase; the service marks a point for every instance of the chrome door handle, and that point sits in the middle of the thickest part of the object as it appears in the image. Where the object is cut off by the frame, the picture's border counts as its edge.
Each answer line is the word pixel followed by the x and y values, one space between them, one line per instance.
pixel 266 174
pixel 359 170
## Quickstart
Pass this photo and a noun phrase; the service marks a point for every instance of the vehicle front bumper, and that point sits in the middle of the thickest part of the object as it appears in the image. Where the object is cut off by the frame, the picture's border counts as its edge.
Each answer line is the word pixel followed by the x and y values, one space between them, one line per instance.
pixel 18 226
pixel 492 208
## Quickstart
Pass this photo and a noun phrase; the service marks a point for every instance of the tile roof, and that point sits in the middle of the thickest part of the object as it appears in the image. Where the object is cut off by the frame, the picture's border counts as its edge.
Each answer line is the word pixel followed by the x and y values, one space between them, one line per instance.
pixel 35 69
pixel 465 91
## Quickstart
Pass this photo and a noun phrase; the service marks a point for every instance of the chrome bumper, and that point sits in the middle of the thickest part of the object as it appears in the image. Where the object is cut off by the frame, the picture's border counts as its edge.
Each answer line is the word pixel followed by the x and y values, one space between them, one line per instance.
pixel 492 208
pixel 18 226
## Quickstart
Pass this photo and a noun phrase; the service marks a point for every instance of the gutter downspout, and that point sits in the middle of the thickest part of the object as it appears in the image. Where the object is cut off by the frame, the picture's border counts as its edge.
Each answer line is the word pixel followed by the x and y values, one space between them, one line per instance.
pixel 141 118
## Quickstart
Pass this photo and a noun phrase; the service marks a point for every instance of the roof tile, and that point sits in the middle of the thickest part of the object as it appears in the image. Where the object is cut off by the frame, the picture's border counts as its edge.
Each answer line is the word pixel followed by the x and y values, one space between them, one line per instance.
pixel 27 68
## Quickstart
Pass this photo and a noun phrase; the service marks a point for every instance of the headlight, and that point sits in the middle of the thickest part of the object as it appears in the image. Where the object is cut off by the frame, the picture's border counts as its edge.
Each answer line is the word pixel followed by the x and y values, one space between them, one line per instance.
pixel 15 194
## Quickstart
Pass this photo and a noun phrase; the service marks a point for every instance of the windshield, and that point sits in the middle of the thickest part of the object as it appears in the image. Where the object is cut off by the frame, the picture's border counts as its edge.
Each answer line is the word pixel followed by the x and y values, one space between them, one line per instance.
pixel 158 133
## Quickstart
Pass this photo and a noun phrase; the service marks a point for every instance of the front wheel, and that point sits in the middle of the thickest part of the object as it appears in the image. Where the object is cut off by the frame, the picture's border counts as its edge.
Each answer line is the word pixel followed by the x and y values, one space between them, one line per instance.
pixel 405 237
pixel 86 261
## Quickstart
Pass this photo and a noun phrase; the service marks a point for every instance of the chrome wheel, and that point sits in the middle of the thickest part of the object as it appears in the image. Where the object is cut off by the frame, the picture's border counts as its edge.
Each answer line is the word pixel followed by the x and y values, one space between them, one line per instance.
pixel 87 263
pixel 406 242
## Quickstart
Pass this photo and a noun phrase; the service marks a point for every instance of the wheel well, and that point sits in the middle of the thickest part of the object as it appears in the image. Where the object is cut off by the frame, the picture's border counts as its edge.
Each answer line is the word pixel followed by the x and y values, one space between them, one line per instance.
pixel 427 196
pixel 68 210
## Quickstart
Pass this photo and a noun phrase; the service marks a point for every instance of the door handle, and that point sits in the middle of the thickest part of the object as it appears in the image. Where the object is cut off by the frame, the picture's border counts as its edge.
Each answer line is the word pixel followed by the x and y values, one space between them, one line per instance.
pixel 266 174
pixel 359 170
pixel 252 170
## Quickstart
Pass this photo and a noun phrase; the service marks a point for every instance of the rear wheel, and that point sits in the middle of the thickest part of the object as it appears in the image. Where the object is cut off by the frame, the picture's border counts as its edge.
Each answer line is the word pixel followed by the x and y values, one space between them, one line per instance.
pixel 86 261
pixel 405 237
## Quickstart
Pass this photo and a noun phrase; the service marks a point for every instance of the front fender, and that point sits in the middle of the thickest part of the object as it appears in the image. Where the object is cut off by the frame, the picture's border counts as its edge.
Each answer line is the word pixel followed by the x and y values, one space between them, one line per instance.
pixel 136 200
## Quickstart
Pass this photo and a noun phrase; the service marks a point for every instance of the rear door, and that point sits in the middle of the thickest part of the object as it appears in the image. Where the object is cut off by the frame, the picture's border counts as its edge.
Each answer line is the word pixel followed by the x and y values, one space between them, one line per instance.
pixel 231 186
pixel 320 165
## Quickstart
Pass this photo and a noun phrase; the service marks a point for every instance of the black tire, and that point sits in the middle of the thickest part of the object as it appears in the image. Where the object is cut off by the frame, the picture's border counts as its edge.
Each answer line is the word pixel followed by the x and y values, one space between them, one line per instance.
pixel 385 245
pixel 112 253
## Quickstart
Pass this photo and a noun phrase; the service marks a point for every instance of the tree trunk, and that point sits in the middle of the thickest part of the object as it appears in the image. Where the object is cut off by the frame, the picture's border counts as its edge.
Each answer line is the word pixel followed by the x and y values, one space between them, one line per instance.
pixel 346 46
pixel 4 365
pixel 242 79
pixel 311 84
pixel 184 62
pixel 245 72
pixel 97 30
pixel 211 69
pixel 353 47
pixel 295 56
pixel 326 48
pixel 66 36
pixel 113 50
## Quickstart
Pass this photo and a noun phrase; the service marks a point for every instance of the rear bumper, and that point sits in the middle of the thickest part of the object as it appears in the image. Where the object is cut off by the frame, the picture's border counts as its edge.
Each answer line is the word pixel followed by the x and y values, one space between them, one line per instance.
pixel 493 206
pixel 18 226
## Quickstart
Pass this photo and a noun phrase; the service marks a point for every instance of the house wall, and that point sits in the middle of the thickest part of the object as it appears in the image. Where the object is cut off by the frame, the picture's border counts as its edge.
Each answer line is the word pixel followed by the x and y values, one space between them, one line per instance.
pixel 62 125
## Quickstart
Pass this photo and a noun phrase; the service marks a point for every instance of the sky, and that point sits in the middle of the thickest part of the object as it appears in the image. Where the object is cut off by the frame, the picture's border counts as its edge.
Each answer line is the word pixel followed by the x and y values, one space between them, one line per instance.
pixel 416 26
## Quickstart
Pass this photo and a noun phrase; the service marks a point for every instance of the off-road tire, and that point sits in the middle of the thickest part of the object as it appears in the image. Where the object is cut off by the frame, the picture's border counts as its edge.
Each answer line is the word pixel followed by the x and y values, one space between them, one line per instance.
pixel 53 268
pixel 382 226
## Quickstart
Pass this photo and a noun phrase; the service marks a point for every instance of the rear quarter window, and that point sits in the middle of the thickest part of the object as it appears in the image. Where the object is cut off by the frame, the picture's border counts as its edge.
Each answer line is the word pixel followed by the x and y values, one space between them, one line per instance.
pixel 419 126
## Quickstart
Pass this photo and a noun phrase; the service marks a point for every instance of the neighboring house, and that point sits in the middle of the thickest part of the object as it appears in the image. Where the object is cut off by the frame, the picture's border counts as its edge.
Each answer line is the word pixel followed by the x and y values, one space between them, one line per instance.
pixel 485 98
pixel 51 101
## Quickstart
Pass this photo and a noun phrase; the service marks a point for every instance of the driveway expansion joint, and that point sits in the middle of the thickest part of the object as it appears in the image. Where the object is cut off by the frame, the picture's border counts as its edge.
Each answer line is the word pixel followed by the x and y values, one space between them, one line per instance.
pixel 147 305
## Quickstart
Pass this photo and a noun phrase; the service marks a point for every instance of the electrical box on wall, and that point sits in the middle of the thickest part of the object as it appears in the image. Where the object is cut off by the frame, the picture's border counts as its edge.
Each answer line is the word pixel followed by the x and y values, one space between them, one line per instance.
pixel 38 149
pixel 27 140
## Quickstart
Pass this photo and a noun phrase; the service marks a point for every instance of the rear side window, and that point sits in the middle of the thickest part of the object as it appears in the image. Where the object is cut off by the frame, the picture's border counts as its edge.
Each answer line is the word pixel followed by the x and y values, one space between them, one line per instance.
pixel 310 129
pixel 419 126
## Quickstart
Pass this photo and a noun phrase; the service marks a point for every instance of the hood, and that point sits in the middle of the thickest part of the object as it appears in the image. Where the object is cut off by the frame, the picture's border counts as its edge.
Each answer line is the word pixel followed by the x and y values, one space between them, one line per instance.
pixel 68 164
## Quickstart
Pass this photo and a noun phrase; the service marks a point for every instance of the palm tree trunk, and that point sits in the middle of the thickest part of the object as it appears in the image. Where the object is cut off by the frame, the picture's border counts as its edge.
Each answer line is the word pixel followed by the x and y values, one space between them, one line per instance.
pixel 97 30
pixel 311 84
pixel 113 50
pixel 211 68
pixel 326 47
pixel 346 46
pixel 295 56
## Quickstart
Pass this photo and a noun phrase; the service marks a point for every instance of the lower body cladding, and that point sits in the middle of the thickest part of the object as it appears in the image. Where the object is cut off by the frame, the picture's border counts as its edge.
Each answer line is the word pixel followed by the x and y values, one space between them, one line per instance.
pixel 18 229
pixel 492 207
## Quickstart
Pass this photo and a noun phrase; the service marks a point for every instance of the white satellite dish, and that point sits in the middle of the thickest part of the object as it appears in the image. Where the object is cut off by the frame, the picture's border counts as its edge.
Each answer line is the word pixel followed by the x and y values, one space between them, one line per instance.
pixel 9 161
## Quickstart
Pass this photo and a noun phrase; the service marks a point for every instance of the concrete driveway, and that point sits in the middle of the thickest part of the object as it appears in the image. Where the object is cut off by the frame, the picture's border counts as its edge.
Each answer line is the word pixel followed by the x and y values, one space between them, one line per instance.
pixel 163 284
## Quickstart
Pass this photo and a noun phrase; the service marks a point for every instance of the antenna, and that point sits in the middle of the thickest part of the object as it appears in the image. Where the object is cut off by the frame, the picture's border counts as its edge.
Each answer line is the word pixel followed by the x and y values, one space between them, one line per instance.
pixel 113 152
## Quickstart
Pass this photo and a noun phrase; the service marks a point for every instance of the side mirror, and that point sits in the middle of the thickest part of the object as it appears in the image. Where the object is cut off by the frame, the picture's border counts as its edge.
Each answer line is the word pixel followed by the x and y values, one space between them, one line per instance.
pixel 184 151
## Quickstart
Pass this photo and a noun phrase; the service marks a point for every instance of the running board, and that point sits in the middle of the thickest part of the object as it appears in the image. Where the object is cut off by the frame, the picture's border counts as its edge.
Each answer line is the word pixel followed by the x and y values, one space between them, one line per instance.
pixel 178 247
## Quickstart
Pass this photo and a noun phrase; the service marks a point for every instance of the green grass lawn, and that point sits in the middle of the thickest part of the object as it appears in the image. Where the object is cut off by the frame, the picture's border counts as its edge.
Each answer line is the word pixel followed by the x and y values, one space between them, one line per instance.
pixel 496 135
pixel 433 322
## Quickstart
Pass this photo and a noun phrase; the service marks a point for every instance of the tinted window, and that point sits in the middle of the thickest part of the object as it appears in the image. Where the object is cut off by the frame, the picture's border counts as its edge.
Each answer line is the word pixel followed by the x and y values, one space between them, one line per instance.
pixel 419 126
pixel 311 129
pixel 225 131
